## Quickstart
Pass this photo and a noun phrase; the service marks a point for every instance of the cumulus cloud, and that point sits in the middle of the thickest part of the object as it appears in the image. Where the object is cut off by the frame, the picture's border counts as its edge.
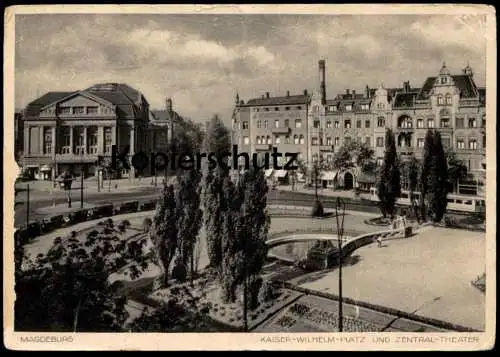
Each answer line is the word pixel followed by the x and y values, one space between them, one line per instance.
pixel 201 61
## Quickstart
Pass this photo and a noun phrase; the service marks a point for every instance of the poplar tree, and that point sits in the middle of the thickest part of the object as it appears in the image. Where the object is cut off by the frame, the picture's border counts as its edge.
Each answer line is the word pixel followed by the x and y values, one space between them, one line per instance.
pixel 389 181
pixel 426 169
pixel 437 180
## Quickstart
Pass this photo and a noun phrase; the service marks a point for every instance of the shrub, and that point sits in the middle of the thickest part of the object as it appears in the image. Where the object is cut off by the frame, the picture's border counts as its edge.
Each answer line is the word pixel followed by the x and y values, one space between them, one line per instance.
pixel 317 210
pixel 267 292
pixel 109 223
pixel 179 272
pixel 255 286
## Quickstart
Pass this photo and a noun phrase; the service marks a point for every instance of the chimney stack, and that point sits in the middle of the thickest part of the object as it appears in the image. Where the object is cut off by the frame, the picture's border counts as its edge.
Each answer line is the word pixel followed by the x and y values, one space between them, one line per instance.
pixel 322 81
pixel 367 91
pixel 406 86
pixel 267 95
pixel 169 105
pixel 353 93
pixel 287 93
pixel 305 91
pixel 347 91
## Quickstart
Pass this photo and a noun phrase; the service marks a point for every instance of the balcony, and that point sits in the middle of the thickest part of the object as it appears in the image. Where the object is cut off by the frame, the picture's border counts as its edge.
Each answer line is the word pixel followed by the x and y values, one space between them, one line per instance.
pixel 283 130
pixel 326 148
pixel 406 150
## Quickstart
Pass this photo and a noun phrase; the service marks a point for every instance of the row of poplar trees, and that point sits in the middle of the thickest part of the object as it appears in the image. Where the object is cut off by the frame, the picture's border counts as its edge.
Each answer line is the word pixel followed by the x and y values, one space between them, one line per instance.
pixel 430 178
pixel 233 215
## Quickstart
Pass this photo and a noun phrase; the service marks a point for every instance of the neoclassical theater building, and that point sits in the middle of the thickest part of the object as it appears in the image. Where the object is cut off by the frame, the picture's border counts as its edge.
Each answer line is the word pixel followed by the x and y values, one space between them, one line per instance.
pixel 70 130
pixel 316 126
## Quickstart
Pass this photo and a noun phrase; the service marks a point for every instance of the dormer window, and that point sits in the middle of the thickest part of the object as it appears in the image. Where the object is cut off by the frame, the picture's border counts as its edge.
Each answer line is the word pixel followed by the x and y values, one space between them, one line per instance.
pixel 348 108
pixel 444 80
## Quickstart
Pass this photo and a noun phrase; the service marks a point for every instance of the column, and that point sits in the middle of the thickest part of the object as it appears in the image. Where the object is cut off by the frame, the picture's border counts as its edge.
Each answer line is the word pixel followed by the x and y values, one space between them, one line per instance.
pixel 85 148
pixel 113 135
pixel 54 152
pixel 132 151
pixel 41 146
pixel 100 139
pixel 26 148
pixel 72 151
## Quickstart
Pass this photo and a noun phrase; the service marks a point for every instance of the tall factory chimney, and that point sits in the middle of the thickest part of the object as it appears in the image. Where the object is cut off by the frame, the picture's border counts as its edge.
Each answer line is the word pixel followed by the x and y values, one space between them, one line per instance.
pixel 322 84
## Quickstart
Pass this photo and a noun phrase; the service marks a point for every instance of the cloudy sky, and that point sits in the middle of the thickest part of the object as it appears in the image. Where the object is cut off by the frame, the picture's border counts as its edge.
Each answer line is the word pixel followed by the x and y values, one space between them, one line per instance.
pixel 202 60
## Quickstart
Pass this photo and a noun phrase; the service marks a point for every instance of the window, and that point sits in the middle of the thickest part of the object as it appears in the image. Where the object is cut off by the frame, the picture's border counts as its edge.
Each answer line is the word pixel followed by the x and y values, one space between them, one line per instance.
pixel 266 109
pixel 405 122
pixel 245 125
pixel 298 123
pixel 367 123
pixel 348 107
pixel 276 123
pixel 444 80
pixel 347 140
pixel 472 144
pixel 368 141
pixel 380 161
pixel 329 124
pixel 440 100
pixel 259 124
pixel 302 139
pixel 332 108
pixel 315 157
pixel 295 139
pixel 329 158
pixel 78 110
pixel 329 141
pixel 47 140
pixel 265 124
pixel 337 124
pixel 92 140
pixel 420 123
pixel 269 141
pixel 445 123
pixel 365 107
pixel 107 140
pixel 258 140
pixel 430 123
pixel 460 143
pixel 420 142
pixel 380 105
pixel 484 141
pixel 80 141
pixel 380 142
pixel 66 140
pixel 483 122
pixel 472 123
pixel 358 124
pixel 314 141
pixel 316 124
pixel 347 124
pixel 315 108
pixel 299 107
pixel 287 108
pixel 92 110
pixel 287 139
pixel 277 139
pixel 65 110
pixel 337 141
pixel 459 123
pixel 381 122
pixel 246 141
pixel 446 142
pixel 276 109
pixel 287 123
pixel 448 99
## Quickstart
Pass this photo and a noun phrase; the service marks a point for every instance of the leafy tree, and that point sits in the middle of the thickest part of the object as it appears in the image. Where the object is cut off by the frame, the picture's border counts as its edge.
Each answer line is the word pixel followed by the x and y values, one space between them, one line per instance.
pixel 355 154
pixel 389 181
pixel 217 140
pixel 68 288
pixel 457 170
pixel 163 233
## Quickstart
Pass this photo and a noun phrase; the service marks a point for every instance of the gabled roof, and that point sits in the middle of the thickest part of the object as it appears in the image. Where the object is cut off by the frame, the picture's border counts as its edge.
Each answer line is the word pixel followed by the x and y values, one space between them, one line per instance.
pixel 49 98
pixel 123 104
pixel 403 100
pixel 464 83
pixel 165 116
pixel 292 99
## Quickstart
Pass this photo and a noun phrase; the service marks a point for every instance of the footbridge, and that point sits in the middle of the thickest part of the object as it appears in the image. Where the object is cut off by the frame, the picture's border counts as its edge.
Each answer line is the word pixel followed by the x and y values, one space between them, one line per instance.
pixel 351 241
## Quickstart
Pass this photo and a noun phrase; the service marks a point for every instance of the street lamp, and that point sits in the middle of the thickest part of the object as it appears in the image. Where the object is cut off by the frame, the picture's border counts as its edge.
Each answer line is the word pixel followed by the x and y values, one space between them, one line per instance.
pixel 340 234
pixel 81 181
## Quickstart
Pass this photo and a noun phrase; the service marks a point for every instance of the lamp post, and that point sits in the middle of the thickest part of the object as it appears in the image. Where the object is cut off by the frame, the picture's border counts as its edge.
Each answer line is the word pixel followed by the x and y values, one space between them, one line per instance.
pixel 66 178
pixel 81 182
pixel 340 233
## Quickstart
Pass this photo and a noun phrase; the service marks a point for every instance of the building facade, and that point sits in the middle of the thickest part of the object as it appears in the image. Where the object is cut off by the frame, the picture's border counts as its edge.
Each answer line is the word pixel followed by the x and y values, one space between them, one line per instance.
pixel 68 131
pixel 18 135
pixel 317 127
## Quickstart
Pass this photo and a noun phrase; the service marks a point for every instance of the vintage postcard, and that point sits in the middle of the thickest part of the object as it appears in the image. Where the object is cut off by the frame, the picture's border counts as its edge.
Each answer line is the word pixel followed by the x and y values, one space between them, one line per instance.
pixel 250 177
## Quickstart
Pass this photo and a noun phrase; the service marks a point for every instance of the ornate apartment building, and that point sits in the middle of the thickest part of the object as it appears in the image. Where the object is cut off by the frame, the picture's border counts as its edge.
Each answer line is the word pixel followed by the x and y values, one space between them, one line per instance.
pixel 315 126
pixel 70 130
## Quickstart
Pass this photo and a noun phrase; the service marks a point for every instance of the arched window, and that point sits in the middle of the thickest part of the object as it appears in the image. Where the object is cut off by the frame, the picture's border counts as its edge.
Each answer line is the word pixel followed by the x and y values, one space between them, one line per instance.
pixel 440 100
pixel 259 123
pixel 444 117
pixel 265 123
pixel 405 122
pixel 448 99
pixel 301 141
pixel 315 157
pixel 295 139
pixel 269 140
pixel 287 139
pixel 329 124
pixel 258 140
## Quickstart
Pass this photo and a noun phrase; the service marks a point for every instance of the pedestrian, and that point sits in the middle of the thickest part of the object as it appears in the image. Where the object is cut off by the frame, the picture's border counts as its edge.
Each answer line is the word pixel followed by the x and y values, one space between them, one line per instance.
pixel 379 241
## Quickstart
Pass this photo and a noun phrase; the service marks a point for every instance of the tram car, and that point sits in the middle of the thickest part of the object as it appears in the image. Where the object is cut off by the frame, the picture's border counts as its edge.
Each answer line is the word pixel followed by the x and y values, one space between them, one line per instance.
pixel 459 203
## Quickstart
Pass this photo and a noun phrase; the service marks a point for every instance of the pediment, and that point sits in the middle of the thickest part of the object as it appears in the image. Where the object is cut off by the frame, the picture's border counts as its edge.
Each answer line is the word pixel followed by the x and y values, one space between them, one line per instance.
pixel 79 99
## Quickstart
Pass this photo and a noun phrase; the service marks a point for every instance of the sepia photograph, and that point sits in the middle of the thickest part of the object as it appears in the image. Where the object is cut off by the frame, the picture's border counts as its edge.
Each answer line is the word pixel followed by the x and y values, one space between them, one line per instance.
pixel 302 177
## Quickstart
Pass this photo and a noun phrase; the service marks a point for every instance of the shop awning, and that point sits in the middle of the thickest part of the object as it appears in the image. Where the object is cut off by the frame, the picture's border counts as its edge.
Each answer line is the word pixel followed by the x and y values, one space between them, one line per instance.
pixel 280 173
pixel 45 168
pixel 329 175
pixel 268 172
